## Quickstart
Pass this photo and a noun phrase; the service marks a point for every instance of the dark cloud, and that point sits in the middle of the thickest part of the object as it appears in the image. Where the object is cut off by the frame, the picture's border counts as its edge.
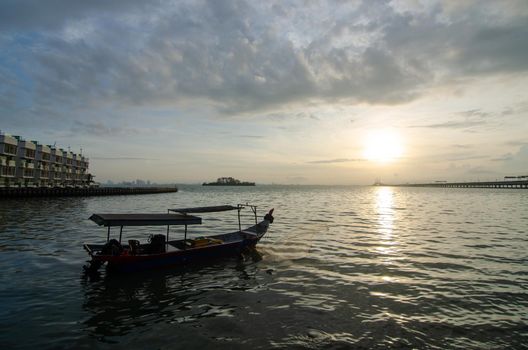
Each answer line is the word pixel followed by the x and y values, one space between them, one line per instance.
pixel 491 49
pixel 34 15
pixel 241 56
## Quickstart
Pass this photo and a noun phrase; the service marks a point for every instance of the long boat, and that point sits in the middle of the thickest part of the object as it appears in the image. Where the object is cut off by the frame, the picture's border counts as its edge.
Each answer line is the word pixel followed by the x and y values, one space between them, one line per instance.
pixel 159 251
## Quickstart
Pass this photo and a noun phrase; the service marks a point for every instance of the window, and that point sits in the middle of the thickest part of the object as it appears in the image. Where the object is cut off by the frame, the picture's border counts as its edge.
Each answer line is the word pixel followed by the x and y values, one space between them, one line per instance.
pixel 30 153
pixel 11 149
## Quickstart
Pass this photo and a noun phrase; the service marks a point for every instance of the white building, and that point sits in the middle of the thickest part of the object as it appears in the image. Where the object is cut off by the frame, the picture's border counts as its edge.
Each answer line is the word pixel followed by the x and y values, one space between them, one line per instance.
pixel 8 156
pixel 31 164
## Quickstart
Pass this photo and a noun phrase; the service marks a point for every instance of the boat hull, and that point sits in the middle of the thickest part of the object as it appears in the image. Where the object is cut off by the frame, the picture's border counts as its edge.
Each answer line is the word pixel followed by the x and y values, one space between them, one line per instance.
pixel 177 253
pixel 133 263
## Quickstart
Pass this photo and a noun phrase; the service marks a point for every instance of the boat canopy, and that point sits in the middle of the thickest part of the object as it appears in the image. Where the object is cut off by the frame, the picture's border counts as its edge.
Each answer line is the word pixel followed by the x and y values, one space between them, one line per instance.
pixel 144 219
pixel 204 209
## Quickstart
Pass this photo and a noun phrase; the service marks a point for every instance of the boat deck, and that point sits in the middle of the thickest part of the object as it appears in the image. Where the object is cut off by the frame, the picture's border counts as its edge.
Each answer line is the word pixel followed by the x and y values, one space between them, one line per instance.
pixel 182 245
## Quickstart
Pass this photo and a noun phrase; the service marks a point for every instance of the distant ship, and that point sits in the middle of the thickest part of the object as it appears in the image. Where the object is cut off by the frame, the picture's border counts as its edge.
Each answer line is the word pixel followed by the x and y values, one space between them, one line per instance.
pixel 228 181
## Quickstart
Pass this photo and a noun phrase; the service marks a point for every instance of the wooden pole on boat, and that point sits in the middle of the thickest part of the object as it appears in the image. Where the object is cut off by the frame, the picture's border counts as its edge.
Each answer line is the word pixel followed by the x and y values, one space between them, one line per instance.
pixel 239 224
pixel 167 233
pixel 185 238
pixel 108 235
pixel 120 233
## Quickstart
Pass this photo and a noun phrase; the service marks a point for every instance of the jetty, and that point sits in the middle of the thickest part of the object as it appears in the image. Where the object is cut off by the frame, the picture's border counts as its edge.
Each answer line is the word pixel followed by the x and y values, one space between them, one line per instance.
pixel 24 192
pixel 507 184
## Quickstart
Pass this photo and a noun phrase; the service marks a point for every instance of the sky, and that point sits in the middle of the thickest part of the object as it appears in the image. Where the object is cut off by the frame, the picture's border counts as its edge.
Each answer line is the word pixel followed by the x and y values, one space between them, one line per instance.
pixel 285 92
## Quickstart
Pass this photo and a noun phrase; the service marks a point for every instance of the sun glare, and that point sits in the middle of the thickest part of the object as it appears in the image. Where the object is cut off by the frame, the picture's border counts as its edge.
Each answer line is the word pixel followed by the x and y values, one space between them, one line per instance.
pixel 383 146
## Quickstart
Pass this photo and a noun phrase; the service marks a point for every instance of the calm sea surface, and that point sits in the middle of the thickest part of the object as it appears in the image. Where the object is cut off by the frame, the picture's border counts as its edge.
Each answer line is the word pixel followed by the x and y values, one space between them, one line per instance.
pixel 341 267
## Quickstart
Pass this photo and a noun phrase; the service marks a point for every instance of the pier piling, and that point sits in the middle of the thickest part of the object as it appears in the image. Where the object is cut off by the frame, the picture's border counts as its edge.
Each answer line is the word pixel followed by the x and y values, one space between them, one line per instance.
pixel 486 184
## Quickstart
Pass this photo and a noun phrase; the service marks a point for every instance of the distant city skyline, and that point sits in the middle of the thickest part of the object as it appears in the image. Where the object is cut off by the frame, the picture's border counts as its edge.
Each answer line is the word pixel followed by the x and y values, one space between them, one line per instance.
pixel 298 92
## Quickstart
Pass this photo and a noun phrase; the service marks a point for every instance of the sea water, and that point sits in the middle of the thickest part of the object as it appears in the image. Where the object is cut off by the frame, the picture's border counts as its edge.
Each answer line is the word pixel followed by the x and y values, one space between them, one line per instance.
pixel 341 267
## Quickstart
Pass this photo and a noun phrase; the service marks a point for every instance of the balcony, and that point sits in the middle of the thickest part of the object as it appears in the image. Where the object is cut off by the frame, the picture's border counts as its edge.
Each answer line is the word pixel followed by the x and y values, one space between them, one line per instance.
pixel 3 161
pixel 10 150
pixel 11 163
pixel 30 165
pixel 4 172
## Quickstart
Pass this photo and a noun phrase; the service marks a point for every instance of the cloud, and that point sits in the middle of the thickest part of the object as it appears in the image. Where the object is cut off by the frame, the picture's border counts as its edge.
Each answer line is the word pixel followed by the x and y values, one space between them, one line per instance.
pixel 98 128
pixel 462 146
pixel 122 158
pixel 279 116
pixel 503 158
pixel 452 124
pixel 250 136
pixel 471 118
pixel 34 15
pixel 337 160
pixel 451 157
pixel 517 143
pixel 481 171
pixel 472 113
pixel 239 57
pixel 515 162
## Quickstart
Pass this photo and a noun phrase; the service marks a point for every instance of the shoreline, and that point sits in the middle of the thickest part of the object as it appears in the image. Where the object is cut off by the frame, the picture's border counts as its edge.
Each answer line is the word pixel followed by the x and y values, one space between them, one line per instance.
pixel 28 192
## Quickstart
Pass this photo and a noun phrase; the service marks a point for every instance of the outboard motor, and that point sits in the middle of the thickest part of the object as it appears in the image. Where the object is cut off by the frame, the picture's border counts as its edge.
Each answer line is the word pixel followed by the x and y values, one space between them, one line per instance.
pixel 112 247
pixel 157 243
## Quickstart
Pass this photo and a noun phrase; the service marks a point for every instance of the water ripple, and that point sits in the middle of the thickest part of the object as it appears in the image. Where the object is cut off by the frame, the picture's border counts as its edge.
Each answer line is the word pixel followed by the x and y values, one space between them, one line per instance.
pixel 342 267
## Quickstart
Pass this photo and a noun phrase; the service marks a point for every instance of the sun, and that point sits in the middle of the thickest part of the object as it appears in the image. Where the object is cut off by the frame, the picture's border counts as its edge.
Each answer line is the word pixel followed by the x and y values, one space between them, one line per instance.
pixel 383 146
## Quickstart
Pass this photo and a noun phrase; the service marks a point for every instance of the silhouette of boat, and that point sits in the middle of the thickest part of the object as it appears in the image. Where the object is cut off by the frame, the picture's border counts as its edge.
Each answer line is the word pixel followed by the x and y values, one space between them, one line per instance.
pixel 159 251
